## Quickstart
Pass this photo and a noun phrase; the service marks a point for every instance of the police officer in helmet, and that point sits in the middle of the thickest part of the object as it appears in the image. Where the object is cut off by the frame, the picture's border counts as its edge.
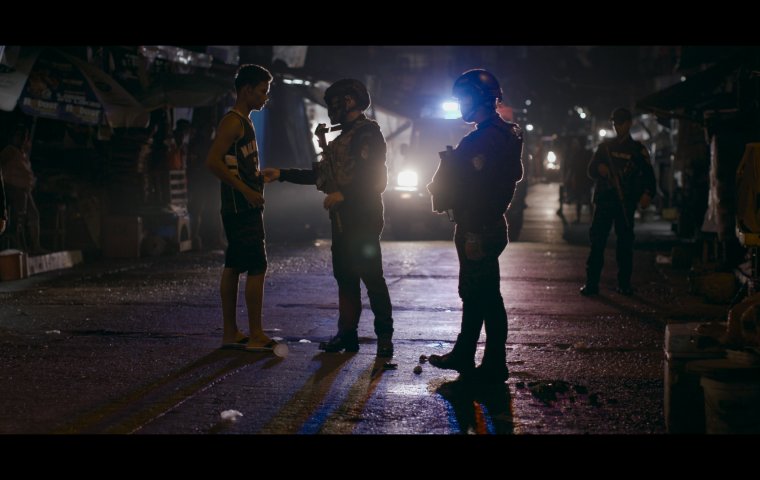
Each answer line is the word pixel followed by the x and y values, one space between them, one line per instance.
pixel 488 166
pixel 355 165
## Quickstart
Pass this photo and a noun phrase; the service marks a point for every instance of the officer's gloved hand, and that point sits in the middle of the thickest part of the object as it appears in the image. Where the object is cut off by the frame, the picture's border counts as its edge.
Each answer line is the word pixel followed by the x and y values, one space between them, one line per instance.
pixel 473 246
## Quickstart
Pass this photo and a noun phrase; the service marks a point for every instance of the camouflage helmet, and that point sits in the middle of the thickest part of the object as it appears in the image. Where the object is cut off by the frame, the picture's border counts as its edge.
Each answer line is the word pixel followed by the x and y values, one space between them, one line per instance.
pixel 479 83
pixel 352 87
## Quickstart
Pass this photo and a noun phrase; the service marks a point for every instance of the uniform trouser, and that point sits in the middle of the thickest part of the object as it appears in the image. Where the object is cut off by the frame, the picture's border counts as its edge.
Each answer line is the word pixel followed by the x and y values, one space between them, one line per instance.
pixel 606 214
pixel 356 257
pixel 481 299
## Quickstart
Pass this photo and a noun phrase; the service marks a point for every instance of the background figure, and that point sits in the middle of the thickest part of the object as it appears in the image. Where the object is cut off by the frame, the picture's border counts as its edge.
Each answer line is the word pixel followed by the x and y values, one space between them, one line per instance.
pixel 577 182
pixel 178 145
pixel 19 183
pixel 486 167
pixel 624 177
pixel 353 174
pixel 234 159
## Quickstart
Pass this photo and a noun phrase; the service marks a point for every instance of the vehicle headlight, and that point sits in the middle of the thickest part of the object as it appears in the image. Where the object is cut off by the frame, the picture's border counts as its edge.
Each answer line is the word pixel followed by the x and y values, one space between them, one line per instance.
pixel 407 178
pixel 552 162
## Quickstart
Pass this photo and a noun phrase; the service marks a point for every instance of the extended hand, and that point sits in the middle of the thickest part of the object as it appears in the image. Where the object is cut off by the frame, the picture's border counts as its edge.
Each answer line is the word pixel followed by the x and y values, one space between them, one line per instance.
pixel 603 170
pixel 333 199
pixel 254 198
pixel 270 174
pixel 645 201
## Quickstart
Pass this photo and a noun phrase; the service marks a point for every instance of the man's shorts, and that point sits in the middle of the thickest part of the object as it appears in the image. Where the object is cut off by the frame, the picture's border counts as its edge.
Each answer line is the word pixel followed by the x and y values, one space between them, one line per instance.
pixel 246 250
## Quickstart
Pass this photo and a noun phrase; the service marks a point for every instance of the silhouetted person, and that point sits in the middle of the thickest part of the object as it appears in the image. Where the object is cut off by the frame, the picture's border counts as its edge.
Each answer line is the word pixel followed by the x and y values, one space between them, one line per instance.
pixel 234 158
pixel 355 178
pixel 486 168
pixel 624 177
pixel 577 182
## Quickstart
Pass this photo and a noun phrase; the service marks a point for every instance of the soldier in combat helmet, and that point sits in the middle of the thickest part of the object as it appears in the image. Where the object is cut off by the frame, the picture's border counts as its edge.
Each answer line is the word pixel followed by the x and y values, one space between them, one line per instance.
pixel 623 177
pixel 353 175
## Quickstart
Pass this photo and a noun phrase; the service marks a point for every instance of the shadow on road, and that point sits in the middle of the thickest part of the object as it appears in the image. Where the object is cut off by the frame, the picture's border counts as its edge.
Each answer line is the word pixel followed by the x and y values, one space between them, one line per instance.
pixel 131 412
pixel 477 408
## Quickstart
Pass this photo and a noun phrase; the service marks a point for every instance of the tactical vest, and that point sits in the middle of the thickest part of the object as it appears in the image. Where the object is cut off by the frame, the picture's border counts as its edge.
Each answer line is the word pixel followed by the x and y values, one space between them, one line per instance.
pixel 339 153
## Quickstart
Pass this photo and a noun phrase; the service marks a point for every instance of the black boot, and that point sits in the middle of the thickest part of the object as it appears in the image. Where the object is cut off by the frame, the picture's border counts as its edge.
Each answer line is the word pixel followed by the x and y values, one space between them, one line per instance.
pixel 347 342
pixel 384 346
pixel 452 361
pixel 589 289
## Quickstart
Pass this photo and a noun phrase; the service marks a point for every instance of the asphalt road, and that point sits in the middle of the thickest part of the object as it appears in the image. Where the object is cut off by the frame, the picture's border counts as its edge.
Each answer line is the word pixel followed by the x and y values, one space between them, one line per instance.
pixel 132 346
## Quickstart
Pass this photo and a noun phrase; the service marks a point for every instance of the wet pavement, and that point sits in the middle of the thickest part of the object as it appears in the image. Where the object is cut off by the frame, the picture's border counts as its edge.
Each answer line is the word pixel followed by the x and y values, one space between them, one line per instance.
pixel 131 346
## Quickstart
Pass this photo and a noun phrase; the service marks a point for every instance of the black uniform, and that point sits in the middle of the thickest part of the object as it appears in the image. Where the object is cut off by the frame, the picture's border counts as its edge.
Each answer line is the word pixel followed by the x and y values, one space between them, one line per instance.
pixel 615 199
pixel 357 158
pixel 489 166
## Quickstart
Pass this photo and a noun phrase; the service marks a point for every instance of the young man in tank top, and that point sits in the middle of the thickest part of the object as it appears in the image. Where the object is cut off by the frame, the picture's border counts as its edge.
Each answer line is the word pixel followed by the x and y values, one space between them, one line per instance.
pixel 233 158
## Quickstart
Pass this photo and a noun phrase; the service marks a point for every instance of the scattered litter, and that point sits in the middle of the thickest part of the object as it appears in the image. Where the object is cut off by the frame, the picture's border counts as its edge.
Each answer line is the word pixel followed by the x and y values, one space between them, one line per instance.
pixel 230 415
pixel 580 346
pixel 423 358
pixel 303 340
pixel 58 332
pixel 417 369
pixel 277 339
pixel 547 391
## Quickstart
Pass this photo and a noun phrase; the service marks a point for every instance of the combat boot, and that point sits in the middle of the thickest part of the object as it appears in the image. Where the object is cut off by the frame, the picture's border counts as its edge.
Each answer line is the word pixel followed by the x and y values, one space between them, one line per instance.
pixel 451 361
pixel 589 289
pixel 347 342
pixel 384 346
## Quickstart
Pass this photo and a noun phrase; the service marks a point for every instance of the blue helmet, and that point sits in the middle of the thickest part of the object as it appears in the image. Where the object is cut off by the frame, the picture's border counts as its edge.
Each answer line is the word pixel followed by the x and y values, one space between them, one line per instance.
pixel 479 83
